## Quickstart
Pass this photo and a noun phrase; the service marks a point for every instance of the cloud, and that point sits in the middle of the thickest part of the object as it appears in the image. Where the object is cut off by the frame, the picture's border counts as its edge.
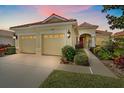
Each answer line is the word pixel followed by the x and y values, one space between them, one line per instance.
pixel 47 10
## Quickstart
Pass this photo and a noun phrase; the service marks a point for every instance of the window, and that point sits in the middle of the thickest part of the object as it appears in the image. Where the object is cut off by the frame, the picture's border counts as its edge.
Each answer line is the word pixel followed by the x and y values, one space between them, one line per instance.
pixel 61 36
pixel 54 36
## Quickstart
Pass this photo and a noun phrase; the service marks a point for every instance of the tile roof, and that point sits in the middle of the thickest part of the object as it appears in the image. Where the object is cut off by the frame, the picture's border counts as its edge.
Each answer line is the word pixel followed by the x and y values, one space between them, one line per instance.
pixel 87 25
pixel 103 32
pixel 6 33
pixel 45 21
pixel 119 33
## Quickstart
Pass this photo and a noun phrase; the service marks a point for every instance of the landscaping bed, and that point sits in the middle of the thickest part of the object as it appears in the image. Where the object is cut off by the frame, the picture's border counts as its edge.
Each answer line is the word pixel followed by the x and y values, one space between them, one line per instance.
pixel 63 79
pixel 111 55
pixel 7 50
pixel 74 56
pixel 113 68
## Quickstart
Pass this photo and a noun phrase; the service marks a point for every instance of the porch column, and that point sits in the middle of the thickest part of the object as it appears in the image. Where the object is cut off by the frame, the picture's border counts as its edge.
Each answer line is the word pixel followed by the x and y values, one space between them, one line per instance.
pixel 77 39
pixel 38 44
pixel 17 42
pixel 93 43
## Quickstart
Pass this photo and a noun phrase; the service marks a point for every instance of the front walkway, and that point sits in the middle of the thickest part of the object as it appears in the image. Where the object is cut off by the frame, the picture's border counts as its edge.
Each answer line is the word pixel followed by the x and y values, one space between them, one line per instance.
pixel 98 67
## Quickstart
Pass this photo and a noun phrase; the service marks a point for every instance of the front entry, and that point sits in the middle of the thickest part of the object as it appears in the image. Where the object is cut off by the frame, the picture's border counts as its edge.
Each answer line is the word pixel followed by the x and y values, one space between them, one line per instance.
pixel 85 40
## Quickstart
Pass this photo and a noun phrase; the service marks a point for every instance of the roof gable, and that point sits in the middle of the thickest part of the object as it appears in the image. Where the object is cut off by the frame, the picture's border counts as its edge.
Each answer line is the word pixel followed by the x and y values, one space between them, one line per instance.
pixel 87 25
pixel 55 18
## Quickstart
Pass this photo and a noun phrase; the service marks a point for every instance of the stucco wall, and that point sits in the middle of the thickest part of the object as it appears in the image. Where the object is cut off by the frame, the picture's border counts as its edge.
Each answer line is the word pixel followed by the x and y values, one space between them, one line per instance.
pixel 101 39
pixel 6 40
pixel 39 31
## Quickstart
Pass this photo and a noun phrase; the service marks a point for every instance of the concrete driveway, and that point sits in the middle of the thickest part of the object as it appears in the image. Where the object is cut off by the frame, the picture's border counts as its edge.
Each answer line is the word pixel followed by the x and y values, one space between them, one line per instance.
pixel 26 70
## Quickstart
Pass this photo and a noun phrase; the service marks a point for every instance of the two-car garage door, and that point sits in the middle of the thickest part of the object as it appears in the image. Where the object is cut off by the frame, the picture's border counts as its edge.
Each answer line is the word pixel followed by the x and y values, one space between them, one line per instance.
pixel 51 44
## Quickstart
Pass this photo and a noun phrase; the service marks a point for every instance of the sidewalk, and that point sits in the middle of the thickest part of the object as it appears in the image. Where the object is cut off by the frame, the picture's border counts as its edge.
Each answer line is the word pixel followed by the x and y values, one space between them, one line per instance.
pixel 74 68
pixel 98 67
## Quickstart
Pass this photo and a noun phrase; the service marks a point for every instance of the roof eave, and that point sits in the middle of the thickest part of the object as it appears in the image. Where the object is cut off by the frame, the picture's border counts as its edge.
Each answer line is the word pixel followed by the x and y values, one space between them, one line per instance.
pixel 95 27
pixel 17 27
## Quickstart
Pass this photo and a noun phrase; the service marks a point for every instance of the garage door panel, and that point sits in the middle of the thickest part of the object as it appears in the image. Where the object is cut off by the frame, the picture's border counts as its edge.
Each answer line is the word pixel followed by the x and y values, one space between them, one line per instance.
pixel 52 44
pixel 28 44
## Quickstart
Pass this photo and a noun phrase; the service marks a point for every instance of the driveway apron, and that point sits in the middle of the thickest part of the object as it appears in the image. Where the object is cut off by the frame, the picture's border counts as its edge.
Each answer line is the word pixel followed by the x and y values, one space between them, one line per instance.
pixel 25 71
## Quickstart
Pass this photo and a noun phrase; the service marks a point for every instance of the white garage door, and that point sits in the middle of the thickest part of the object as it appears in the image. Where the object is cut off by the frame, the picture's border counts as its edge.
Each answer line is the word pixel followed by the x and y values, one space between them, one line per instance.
pixel 28 44
pixel 52 44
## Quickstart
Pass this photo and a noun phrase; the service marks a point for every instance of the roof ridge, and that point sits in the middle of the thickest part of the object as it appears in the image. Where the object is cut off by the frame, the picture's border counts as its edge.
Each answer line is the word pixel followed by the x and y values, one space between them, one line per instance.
pixel 41 22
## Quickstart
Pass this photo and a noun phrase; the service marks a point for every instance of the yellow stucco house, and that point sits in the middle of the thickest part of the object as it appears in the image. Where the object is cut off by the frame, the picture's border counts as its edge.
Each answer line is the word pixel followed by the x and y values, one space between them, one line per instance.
pixel 50 35
pixel 119 34
pixel 102 37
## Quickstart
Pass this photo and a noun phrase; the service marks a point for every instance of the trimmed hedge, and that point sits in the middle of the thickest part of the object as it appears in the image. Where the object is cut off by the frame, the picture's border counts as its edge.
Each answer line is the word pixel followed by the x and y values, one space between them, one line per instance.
pixel 10 50
pixel 68 52
pixel 78 51
pixel 78 56
pixel 81 59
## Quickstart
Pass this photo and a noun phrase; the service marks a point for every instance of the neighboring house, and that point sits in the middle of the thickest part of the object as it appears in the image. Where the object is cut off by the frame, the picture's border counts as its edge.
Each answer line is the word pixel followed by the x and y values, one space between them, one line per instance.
pixel 6 37
pixel 50 35
pixel 102 37
pixel 119 34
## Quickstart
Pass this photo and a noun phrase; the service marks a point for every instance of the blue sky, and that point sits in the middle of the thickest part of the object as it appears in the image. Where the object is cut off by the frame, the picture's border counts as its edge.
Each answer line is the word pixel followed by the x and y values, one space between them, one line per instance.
pixel 11 15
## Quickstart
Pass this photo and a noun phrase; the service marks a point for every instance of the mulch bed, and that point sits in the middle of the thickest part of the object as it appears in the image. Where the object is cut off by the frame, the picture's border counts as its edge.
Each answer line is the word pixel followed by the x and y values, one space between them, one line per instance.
pixel 66 62
pixel 117 71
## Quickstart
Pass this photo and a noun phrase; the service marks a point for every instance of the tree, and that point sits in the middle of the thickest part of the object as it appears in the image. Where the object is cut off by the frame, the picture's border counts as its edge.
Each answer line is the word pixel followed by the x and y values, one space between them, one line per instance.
pixel 115 22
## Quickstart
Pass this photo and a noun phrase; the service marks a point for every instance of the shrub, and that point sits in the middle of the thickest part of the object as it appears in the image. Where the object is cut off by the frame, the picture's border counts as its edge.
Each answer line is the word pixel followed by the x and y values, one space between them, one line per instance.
pixel 2 52
pixel 118 52
pixel 92 49
pixel 68 52
pixel 80 51
pixel 10 50
pixel 104 54
pixel 96 50
pixel 78 46
pixel 110 45
pixel 119 61
pixel 5 45
pixel 81 59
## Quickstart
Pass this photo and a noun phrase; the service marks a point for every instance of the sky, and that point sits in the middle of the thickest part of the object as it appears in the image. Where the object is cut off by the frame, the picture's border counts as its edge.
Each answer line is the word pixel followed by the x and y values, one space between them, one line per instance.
pixel 12 15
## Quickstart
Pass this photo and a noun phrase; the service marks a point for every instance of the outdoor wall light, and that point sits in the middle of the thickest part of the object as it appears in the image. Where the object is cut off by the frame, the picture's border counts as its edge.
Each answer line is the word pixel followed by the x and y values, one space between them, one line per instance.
pixel 68 34
pixel 14 36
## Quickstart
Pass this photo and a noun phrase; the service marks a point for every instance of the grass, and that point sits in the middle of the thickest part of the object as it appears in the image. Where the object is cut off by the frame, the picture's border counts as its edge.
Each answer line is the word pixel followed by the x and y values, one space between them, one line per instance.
pixel 63 79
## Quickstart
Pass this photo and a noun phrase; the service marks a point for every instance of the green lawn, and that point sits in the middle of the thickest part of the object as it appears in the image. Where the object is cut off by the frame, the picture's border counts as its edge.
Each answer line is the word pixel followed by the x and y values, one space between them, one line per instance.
pixel 62 79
